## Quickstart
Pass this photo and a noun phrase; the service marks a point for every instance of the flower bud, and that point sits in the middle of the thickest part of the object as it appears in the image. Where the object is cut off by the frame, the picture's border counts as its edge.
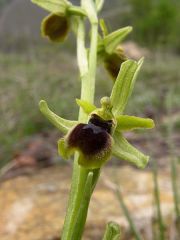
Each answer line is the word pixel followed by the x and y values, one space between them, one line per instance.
pixel 113 61
pixel 55 27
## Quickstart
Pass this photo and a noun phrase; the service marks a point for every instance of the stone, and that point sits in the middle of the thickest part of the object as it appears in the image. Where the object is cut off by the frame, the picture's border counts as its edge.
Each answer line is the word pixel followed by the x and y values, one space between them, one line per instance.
pixel 33 206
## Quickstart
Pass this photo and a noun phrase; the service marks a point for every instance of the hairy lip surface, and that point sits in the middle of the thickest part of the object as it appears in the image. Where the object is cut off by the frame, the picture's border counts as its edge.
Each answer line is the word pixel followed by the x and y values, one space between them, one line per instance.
pixel 89 138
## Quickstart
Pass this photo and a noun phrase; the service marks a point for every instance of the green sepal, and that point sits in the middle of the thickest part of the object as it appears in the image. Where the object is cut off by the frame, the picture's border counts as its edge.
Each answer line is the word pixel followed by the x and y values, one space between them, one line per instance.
pixel 112 232
pixel 86 106
pixel 127 123
pixel 99 4
pixel 64 151
pixel 76 10
pixel 124 84
pixel 62 124
pixel 82 212
pixel 112 40
pixel 53 6
pixel 124 150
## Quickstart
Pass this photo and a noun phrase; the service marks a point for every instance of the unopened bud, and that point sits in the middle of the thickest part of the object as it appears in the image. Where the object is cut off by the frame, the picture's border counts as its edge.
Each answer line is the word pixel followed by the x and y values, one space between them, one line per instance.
pixel 55 27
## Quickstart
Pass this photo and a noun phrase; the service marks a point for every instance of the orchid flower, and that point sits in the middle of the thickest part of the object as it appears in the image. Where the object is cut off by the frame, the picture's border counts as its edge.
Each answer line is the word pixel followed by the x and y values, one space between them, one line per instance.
pixel 102 135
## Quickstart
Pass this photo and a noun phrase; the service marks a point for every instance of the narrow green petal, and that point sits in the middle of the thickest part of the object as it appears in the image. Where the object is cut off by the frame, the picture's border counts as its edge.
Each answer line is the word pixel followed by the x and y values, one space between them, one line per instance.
pixel 86 106
pixel 127 123
pixel 64 151
pixel 123 149
pixel 62 124
pixel 54 6
pixel 112 40
pixel 124 84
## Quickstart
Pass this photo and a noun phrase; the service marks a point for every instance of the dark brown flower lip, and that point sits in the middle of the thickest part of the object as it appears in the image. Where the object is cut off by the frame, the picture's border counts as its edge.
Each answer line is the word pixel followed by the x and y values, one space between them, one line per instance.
pixel 103 124
pixel 89 138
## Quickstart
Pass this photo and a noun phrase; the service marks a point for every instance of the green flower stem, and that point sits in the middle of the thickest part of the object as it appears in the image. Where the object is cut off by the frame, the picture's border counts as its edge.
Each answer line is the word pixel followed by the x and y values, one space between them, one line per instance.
pixel 80 174
pixel 88 78
pixel 83 64
pixel 81 50
pixel 92 63
pixel 79 180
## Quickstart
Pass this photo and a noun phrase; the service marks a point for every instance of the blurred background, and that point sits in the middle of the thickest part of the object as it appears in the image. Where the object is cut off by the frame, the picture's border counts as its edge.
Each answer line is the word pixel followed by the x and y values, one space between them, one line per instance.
pixel 32 68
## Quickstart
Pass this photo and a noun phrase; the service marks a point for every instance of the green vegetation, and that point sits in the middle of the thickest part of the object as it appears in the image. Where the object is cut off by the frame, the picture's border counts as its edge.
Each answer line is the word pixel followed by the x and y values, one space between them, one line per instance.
pixel 160 24
pixel 25 79
pixel 3 2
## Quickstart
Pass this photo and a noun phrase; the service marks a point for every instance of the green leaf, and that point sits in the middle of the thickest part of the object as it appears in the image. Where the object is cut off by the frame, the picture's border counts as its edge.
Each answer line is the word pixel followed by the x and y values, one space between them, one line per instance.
pixel 112 40
pixel 112 231
pixel 54 6
pixel 62 124
pixel 124 150
pixel 86 106
pixel 82 213
pixel 127 123
pixel 124 85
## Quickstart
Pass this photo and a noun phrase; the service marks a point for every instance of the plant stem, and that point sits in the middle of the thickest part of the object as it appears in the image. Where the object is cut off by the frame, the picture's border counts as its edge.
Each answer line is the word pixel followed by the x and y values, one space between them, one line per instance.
pixel 83 66
pixel 175 189
pixel 92 62
pixel 80 174
pixel 173 162
pixel 174 186
pixel 157 202
pixel 127 215
pixel 174 179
